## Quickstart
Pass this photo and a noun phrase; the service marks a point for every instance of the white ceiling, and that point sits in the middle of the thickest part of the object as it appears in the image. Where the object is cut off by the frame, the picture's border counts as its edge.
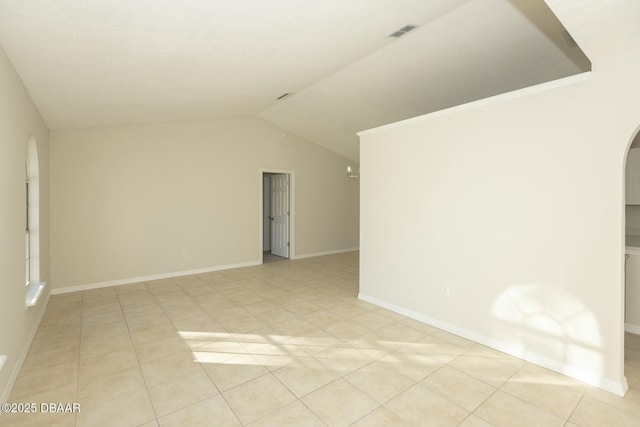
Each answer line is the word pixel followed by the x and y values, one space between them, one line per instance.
pixel 96 63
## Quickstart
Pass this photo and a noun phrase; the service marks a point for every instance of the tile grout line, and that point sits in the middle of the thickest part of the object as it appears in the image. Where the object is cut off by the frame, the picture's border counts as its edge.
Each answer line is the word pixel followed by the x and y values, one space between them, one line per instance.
pixel 75 421
pixel 190 297
pixel 574 410
pixel 495 389
pixel 220 392
pixel 341 342
pixel 146 385
pixel 533 403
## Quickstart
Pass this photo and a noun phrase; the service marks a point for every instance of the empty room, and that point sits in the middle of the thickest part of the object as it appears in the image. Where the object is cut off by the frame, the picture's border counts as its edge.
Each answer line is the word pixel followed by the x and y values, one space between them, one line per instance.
pixel 334 213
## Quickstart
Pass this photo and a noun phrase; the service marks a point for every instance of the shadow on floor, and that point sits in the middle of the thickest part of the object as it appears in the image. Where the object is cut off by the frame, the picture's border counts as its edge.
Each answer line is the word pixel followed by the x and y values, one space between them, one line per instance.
pixel 268 257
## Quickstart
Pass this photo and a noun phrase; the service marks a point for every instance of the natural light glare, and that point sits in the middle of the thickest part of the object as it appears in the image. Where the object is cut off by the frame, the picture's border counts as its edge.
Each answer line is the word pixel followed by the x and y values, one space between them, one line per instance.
pixel 541 320
pixel 212 357
pixel 193 335
pixel 278 350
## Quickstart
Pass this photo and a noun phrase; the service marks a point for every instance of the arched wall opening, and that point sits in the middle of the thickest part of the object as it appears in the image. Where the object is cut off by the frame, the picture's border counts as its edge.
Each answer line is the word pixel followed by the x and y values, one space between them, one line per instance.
pixel 631 250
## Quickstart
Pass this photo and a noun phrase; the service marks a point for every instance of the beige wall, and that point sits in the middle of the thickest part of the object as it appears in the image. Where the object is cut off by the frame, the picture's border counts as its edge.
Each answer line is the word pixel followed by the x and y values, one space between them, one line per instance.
pixel 516 203
pixel 19 119
pixel 127 200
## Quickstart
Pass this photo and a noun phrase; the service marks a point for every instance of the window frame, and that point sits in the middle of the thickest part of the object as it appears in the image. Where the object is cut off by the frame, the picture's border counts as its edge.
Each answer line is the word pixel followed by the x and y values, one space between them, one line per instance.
pixel 34 287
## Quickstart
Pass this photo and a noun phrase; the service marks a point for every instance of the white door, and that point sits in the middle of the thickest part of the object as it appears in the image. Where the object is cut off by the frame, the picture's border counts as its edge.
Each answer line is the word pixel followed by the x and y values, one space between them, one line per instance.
pixel 280 215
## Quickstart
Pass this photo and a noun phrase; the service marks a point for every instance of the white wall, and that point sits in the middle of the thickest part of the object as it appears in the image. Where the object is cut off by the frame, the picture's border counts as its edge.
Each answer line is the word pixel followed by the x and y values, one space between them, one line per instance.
pixel 517 203
pixel 127 200
pixel 19 119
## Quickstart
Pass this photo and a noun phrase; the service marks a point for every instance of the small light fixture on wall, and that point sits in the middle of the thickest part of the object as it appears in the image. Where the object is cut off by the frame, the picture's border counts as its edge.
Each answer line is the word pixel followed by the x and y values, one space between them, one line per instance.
pixel 350 173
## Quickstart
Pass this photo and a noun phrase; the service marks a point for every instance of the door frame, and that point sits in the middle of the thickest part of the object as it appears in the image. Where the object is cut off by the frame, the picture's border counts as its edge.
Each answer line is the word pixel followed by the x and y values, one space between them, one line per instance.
pixel 292 240
pixel 635 134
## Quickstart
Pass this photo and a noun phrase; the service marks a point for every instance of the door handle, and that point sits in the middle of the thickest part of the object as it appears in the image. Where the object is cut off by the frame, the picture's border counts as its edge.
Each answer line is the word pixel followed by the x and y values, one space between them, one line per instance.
pixel 271 218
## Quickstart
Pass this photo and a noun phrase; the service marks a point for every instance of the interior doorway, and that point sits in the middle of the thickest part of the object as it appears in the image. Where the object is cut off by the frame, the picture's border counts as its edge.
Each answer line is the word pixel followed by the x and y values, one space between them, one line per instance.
pixel 631 292
pixel 276 215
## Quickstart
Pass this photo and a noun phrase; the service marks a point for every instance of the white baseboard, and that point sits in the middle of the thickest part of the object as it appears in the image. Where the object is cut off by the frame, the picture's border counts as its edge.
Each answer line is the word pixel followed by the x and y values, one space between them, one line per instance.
pixel 338 251
pixel 633 329
pixel 619 388
pixel 23 354
pixel 131 280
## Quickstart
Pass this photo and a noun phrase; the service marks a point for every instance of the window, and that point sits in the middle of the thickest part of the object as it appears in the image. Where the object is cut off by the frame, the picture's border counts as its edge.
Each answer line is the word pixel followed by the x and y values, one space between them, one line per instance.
pixel 27 239
pixel 32 226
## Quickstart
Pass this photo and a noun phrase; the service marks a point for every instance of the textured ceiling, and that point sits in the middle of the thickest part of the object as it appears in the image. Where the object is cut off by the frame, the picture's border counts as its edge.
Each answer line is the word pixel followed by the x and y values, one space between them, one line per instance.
pixel 97 63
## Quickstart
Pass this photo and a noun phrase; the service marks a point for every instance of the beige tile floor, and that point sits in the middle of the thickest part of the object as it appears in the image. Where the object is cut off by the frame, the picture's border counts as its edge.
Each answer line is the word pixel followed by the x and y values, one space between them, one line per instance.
pixel 285 344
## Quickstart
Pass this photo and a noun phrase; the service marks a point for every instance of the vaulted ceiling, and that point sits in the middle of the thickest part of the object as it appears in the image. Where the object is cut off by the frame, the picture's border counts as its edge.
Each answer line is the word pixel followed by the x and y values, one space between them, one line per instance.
pixel 98 63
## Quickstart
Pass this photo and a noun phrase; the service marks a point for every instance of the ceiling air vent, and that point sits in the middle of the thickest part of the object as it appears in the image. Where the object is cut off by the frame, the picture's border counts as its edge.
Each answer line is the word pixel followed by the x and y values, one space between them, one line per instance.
pixel 402 31
pixel 284 95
